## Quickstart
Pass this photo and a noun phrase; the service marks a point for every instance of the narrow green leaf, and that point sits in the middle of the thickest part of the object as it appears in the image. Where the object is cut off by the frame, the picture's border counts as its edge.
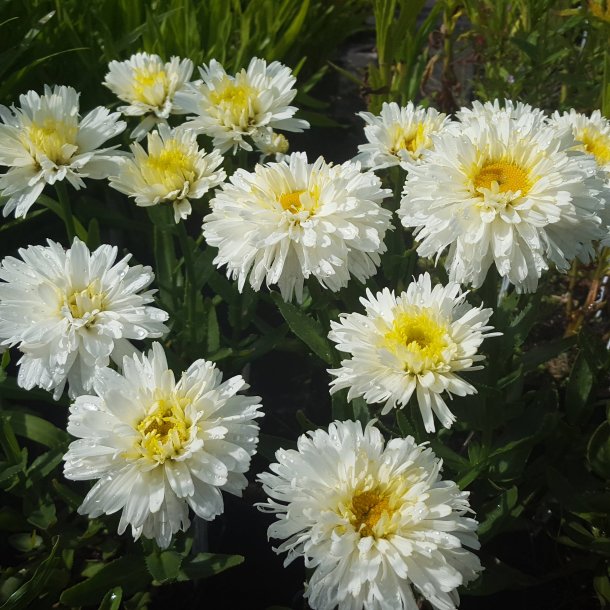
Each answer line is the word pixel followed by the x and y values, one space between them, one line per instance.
pixel 598 451
pixel 580 384
pixel 204 565
pixel 35 429
pixel 112 599
pixel 305 328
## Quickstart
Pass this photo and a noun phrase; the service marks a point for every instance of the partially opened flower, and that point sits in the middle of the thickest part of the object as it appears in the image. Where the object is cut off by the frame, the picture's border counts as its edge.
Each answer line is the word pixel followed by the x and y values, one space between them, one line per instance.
pixel 45 141
pixel 158 447
pixel 270 143
pixel 505 189
pixel 370 520
pixel 399 135
pixel 231 108
pixel 71 311
pixel 148 85
pixel 592 134
pixel 292 220
pixel 488 111
pixel 414 344
pixel 174 170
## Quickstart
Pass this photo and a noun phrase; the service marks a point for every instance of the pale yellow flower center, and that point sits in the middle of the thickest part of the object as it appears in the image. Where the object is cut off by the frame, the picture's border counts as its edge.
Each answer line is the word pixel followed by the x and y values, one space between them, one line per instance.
pixel 165 430
pixel 150 85
pixel 91 299
pixel 596 144
pixel 509 177
pixel 410 140
pixel 420 334
pixel 235 102
pixel 55 139
pixel 171 167
pixel 367 509
pixel 294 201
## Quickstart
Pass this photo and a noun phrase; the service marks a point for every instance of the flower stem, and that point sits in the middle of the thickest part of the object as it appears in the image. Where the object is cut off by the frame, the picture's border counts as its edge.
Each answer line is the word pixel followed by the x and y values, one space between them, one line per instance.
pixel 64 201
pixel 189 280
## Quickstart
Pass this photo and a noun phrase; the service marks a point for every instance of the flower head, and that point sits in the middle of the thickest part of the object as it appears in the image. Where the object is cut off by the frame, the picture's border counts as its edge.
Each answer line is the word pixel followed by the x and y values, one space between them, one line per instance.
pixel 158 446
pixel 507 189
pixel 413 344
pixel 270 143
pixel 592 134
pixel 45 141
pixel 230 108
pixel 370 520
pixel 399 135
pixel 70 311
pixel 174 170
pixel 288 221
pixel 148 85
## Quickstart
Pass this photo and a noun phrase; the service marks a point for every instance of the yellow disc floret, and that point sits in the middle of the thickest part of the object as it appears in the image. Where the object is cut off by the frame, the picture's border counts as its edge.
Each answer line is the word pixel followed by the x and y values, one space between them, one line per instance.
pixel 234 102
pixel 150 85
pixel 411 140
pixel 172 166
pixel 420 334
pixel 55 139
pixel 88 301
pixel 508 176
pixel 367 509
pixel 596 144
pixel 165 430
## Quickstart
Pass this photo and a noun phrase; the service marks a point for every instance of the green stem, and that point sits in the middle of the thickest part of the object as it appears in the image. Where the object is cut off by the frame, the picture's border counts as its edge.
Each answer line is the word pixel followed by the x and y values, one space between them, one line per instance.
pixel 64 201
pixel 189 280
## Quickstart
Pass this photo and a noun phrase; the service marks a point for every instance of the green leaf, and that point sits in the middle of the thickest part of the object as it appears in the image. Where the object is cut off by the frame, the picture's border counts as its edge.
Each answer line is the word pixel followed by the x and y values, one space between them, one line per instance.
pixel 305 328
pixel 497 516
pixel 112 599
pixel 204 565
pixel 598 451
pixel 128 572
pixel 30 590
pixel 36 429
pixel 578 390
pixel 164 566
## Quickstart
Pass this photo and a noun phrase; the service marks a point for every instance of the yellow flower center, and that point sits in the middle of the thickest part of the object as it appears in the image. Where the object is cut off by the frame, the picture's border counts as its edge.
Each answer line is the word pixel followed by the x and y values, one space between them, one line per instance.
pixel 295 203
pixel 367 509
pixel 411 140
pixel 420 334
pixel 165 430
pixel 89 300
pixel 509 177
pixel 171 167
pixel 235 102
pixel 596 144
pixel 55 139
pixel 601 9
pixel 150 85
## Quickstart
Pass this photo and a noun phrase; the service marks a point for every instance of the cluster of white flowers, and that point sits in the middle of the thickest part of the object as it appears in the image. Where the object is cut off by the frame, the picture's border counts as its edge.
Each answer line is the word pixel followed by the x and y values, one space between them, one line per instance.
pixel 501 185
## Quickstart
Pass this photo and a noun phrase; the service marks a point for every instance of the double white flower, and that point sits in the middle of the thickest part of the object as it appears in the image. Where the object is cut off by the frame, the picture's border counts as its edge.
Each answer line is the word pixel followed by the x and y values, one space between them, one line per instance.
pixel 70 312
pixel 370 520
pixel 45 141
pixel 292 220
pixel 247 105
pixel 158 447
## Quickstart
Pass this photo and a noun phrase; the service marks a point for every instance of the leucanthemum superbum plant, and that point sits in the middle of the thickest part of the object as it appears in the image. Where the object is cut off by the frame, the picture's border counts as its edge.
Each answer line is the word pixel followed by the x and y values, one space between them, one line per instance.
pixel 504 188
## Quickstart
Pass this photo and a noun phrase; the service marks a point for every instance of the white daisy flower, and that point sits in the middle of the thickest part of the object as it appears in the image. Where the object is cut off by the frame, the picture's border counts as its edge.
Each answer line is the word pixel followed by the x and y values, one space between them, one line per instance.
pixel 270 144
pixel 158 447
pixel 412 344
pixel 370 520
pixel 592 134
pixel 288 221
pixel 45 141
pixel 487 111
pixel 505 190
pixel 70 312
pixel 399 135
pixel 148 85
pixel 230 108
pixel 174 170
